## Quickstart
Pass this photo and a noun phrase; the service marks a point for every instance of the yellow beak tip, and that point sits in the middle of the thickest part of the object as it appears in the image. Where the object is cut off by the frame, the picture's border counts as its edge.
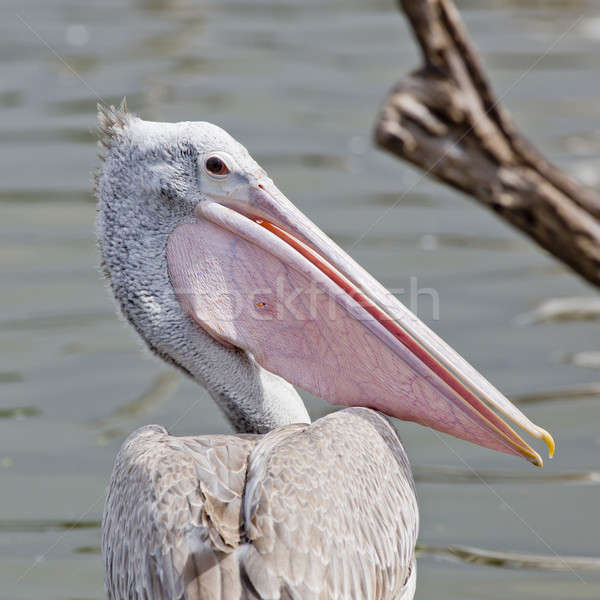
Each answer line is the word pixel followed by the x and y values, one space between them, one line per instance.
pixel 549 442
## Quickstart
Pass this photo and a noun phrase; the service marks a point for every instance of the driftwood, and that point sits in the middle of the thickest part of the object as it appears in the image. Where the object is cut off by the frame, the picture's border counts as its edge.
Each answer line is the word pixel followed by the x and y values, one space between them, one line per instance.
pixel 445 118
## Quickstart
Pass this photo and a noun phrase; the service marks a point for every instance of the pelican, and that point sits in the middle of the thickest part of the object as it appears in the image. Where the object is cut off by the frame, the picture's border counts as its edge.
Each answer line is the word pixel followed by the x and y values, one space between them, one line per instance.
pixel 224 278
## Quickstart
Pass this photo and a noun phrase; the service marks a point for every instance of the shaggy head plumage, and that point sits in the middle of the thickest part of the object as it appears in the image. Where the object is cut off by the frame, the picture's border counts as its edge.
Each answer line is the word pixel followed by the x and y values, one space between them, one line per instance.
pixel 150 181
pixel 111 122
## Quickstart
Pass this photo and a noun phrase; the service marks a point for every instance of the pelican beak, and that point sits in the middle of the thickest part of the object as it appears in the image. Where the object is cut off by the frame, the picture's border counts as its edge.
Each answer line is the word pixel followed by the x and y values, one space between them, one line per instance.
pixel 256 273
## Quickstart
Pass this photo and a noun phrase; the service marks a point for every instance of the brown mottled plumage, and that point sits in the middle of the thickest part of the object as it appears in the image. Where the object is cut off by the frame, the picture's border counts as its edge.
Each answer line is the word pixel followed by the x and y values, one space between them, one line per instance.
pixel 324 511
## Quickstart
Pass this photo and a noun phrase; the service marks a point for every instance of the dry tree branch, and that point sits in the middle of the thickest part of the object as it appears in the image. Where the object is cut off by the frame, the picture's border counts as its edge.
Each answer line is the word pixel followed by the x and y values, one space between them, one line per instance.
pixel 445 118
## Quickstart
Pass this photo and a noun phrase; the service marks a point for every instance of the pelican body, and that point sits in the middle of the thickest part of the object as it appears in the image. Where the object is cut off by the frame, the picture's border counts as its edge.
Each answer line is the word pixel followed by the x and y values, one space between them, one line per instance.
pixel 224 278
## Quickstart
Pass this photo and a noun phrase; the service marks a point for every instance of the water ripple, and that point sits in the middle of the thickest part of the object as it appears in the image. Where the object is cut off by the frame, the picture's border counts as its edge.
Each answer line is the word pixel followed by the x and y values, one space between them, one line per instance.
pixel 576 392
pixel 43 525
pixel 19 412
pixel 159 391
pixel 444 474
pixel 562 309
pixel 511 560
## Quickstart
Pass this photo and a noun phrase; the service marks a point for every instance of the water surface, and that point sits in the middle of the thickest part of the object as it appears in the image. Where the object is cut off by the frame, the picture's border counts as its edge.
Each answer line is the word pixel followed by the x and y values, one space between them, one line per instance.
pixel 299 82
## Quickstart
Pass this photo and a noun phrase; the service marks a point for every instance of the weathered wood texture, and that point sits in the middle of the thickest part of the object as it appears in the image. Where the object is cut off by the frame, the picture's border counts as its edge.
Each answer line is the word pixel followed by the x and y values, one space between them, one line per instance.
pixel 445 118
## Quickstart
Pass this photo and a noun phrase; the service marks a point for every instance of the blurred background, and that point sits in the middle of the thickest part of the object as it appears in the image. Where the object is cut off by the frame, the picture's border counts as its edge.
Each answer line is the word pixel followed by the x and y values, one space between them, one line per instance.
pixel 299 82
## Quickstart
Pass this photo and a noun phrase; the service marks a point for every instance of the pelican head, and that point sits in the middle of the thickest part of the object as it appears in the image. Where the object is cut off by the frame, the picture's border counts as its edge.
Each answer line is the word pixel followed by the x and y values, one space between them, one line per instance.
pixel 223 276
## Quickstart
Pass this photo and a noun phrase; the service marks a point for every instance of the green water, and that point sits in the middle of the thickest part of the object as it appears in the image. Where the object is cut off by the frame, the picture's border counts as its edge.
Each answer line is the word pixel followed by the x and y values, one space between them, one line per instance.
pixel 299 82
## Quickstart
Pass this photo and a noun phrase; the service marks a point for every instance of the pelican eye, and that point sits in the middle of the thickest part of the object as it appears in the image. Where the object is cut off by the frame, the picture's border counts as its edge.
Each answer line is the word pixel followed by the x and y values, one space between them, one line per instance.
pixel 216 166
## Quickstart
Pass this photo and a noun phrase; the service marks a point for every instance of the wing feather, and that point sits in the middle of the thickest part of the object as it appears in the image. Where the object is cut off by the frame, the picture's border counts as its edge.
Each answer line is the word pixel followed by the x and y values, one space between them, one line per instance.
pixel 330 511
pixel 173 516
pixel 322 511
